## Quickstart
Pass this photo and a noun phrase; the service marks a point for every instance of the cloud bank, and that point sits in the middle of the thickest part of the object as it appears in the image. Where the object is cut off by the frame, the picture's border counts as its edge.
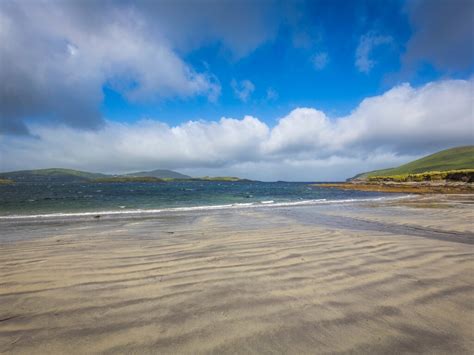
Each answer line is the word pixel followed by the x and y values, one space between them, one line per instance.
pixel 306 144
pixel 56 56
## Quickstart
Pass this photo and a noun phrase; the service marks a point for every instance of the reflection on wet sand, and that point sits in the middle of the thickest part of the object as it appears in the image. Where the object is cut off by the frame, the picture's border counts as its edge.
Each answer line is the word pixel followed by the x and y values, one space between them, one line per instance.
pixel 376 278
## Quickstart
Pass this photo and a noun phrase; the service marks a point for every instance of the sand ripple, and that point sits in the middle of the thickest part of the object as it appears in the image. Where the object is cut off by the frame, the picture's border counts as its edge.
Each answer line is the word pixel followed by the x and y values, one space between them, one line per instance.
pixel 246 283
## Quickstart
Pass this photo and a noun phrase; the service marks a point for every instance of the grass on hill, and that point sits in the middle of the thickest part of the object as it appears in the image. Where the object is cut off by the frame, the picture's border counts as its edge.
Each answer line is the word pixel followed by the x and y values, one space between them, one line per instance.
pixel 220 178
pixel 459 158
pixel 466 175
pixel 50 175
pixel 211 178
pixel 113 179
pixel 70 175
pixel 60 171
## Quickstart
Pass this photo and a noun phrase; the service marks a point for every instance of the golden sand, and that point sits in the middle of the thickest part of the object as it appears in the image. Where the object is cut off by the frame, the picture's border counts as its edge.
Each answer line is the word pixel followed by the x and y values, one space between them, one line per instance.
pixel 214 286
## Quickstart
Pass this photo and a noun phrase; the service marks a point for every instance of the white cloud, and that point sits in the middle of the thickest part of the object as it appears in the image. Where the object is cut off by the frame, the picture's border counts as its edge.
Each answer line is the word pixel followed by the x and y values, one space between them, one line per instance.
pixel 403 120
pixel 382 131
pixel 119 146
pixel 57 55
pixel 320 60
pixel 243 89
pixel 367 43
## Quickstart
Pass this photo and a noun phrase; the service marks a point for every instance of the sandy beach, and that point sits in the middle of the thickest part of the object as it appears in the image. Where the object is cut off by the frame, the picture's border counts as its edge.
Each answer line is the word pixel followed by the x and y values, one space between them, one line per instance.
pixel 367 278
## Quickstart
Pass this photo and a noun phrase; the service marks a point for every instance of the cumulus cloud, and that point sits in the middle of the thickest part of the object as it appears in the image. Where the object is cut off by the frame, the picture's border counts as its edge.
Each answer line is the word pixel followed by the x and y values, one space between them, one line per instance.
pixel 306 144
pixel 443 33
pixel 404 120
pixel 243 89
pixel 367 43
pixel 56 56
pixel 119 146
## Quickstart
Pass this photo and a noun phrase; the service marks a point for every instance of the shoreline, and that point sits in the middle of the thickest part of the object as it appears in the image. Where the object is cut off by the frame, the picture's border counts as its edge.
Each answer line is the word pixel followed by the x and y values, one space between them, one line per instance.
pixel 169 210
pixel 407 187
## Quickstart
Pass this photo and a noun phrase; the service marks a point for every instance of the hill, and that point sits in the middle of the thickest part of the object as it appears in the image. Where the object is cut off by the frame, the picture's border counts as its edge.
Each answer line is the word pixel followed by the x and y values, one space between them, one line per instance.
pixel 70 175
pixel 122 179
pixel 160 174
pixel 459 158
pixel 50 175
pixel 222 179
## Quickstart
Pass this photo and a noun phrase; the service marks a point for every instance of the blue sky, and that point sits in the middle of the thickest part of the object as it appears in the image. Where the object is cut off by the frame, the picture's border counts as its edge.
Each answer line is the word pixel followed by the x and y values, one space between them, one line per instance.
pixel 284 65
pixel 98 73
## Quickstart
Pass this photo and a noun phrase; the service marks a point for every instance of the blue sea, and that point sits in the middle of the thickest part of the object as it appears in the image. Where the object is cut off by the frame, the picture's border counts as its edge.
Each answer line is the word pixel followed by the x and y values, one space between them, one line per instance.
pixel 43 200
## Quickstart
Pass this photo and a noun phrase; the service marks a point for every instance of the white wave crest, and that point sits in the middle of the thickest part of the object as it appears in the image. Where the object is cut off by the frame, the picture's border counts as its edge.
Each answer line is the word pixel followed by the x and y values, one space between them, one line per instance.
pixel 262 204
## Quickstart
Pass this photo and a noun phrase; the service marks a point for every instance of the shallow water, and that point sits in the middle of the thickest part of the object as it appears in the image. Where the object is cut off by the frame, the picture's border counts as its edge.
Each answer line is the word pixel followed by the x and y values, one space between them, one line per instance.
pixel 89 199
pixel 336 215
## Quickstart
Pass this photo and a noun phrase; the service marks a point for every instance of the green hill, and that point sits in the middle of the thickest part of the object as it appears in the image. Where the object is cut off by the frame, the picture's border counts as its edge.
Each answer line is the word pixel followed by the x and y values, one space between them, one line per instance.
pixel 160 174
pixel 222 179
pixel 50 175
pixel 458 158
pixel 123 179
pixel 69 175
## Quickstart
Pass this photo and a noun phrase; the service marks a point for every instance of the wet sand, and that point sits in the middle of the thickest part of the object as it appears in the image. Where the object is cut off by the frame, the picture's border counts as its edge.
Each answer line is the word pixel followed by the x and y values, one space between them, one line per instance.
pixel 381 278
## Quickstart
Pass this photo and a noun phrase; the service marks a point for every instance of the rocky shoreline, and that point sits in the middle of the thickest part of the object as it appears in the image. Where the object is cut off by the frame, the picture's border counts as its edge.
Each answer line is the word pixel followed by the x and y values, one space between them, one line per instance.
pixel 425 187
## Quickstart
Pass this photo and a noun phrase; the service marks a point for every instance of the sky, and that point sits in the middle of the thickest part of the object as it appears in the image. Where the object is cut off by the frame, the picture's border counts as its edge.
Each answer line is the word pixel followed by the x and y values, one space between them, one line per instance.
pixel 268 90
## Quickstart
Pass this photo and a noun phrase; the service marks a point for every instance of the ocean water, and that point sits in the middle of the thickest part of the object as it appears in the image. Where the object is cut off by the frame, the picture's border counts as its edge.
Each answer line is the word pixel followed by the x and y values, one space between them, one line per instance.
pixel 35 200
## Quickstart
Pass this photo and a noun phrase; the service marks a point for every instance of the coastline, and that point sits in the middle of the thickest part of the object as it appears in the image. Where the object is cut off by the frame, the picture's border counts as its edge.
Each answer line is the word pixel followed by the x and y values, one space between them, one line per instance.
pixel 204 208
pixel 405 187
pixel 369 277
pixel 79 199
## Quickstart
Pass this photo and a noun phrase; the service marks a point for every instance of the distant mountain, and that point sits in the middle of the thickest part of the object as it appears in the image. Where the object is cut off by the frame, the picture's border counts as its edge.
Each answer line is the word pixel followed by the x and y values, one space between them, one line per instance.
pixel 222 179
pixel 70 175
pixel 160 174
pixel 50 175
pixel 122 179
pixel 458 158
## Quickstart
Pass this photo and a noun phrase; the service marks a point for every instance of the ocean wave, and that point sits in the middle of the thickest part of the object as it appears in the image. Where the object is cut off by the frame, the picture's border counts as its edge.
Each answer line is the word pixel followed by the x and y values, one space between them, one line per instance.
pixel 261 204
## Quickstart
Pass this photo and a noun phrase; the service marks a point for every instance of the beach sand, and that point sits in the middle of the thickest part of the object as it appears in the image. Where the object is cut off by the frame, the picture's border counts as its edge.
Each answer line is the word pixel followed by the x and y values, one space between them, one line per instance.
pixel 381 278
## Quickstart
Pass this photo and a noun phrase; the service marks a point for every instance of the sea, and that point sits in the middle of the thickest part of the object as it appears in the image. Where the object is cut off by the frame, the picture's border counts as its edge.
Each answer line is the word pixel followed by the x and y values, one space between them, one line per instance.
pixel 95 200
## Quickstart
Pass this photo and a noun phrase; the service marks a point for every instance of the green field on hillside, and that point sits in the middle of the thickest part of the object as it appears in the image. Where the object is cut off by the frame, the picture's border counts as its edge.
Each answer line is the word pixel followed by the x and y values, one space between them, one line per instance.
pixel 465 175
pixel 459 158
